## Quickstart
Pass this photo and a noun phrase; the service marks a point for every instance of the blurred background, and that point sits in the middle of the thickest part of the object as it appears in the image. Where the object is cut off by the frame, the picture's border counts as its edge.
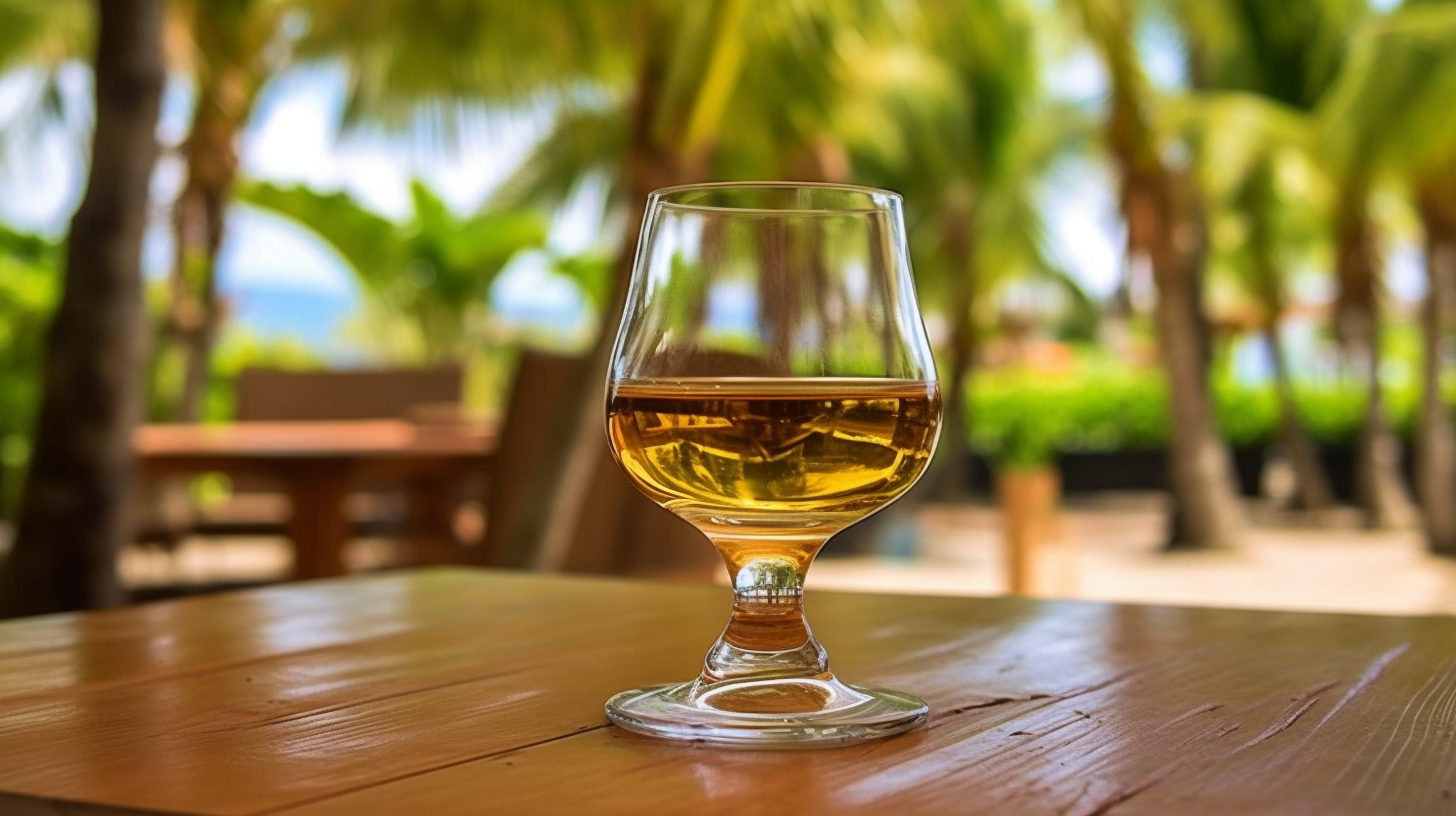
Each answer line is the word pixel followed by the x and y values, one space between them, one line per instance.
pixel 1189 265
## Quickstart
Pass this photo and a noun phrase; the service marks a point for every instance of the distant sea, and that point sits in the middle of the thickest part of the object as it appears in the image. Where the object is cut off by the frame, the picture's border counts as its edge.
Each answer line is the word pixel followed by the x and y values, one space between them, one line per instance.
pixel 316 318
pixel 311 317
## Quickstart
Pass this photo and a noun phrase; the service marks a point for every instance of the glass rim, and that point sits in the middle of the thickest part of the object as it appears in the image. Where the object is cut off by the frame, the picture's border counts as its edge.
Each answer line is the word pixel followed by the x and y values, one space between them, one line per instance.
pixel 662 197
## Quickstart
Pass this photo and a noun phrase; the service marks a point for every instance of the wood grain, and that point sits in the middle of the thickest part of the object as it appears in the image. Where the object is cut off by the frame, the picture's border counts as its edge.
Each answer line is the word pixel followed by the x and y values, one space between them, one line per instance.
pixel 463 692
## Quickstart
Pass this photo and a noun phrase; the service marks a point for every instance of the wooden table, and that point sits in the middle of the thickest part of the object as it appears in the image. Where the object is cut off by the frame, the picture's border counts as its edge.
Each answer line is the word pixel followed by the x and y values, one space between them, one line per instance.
pixel 467 692
pixel 317 463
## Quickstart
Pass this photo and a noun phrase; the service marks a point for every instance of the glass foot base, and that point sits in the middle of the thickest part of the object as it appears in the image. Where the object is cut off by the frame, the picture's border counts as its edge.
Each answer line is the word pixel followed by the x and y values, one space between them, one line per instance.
pixel 773 713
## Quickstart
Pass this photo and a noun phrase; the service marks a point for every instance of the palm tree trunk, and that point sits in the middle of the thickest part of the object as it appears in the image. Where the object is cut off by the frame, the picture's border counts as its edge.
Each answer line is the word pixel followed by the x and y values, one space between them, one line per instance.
pixel 778 291
pixel 1378 487
pixel 1259 198
pixel 224 104
pixel 1165 232
pixel 1378 484
pixel 820 160
pixel 1205 503
pixel 1435 436
pixel 198 224
pixel 952 482
pixel 1311 487
pixel 73 515
pixel 1200 470
pixel 542 534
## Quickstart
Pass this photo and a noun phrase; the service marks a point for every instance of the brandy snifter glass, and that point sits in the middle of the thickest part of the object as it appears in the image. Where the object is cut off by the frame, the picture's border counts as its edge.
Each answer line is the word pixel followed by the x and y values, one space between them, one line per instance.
pixel 772 384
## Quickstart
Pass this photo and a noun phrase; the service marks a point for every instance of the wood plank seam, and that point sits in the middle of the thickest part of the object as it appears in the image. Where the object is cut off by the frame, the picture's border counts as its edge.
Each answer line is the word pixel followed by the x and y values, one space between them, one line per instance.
pixel 1039 699
pixel 218 666
pixel 357 702
pixel 11 805
pixel 585 729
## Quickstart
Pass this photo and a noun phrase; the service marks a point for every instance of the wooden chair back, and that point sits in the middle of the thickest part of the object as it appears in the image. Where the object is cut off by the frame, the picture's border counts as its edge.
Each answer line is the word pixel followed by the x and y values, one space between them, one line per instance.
pixel 343 394
pixel 617 529
pixel 275 394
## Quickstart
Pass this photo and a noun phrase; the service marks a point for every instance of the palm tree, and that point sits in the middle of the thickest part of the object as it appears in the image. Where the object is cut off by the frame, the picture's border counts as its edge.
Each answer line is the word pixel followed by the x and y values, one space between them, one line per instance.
pixel 672 69
pixel 690 77
pixel 1435 435
pixel 953 118
pixel 1163 211
pixel 1388 116
pixel 1287 54
pixel 1359 325
pixel 228 56
pixel 229 49
pixel 435 270
pixel 73 510
pixel 423 68
pixel 1261 200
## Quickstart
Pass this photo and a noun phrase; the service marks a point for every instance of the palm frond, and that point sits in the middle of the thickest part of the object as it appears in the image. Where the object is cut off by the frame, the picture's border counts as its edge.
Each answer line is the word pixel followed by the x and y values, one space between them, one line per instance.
pixel 366 240
pixel 582 141
pixel 1288 51
pixel 1232 131
pixel 413 62
pixel 44 33
pixel 1391 105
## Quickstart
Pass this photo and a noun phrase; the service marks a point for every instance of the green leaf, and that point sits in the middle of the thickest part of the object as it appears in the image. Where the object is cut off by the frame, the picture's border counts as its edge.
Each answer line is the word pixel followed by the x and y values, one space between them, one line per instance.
pixel 371 244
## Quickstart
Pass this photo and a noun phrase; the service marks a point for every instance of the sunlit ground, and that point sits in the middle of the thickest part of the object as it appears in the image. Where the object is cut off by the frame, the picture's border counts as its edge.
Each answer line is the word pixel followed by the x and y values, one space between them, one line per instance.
pixel 1108 551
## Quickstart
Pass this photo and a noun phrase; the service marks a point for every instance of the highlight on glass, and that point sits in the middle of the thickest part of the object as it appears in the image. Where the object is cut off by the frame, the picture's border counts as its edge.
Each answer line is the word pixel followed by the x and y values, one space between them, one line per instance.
pixel 771 383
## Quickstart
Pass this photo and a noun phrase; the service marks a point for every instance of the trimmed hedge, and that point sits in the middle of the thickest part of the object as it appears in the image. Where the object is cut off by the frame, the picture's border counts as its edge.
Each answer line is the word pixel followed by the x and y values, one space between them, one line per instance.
pixel 1024 418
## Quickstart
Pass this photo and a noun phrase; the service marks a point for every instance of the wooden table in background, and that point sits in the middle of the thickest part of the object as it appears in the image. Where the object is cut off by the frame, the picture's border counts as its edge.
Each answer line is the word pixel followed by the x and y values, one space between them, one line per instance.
pixel 466 692
pixel 317 463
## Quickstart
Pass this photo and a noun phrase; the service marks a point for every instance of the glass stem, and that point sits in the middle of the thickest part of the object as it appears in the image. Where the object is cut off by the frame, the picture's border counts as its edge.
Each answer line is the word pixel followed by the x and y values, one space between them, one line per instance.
pixel 767 635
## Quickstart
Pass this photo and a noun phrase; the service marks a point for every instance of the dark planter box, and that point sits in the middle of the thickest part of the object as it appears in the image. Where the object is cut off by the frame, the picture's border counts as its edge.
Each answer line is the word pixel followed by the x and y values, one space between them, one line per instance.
pixel 1249 470
pixel 983 478
pixel 1128 471
pixel 1105 471
pixel 1339 462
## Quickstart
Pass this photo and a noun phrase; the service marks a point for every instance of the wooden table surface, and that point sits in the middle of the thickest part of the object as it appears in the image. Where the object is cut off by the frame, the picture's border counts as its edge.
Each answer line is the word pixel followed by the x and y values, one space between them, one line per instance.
pixel 468 692
pixel 186 444
pixel 318 462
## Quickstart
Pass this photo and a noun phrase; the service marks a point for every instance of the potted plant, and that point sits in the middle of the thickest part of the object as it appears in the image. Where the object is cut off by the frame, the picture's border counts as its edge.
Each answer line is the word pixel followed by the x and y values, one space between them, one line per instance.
pixel 1028 491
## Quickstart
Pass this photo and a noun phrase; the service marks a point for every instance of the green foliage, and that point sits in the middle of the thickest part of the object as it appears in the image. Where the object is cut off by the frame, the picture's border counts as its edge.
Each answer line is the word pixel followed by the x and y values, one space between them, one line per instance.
pixel 435 271
pixel 1026 418
pixel 30 272
pixel 942 100
pixel 1247 416
pixel 1118 409
pixel 592 274
pixel 1019 418
pixel 1331 415
pixel 1391 106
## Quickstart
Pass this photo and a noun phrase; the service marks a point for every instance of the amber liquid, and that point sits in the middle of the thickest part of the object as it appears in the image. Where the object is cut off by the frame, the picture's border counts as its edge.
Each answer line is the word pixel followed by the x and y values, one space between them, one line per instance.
pixel 773 466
